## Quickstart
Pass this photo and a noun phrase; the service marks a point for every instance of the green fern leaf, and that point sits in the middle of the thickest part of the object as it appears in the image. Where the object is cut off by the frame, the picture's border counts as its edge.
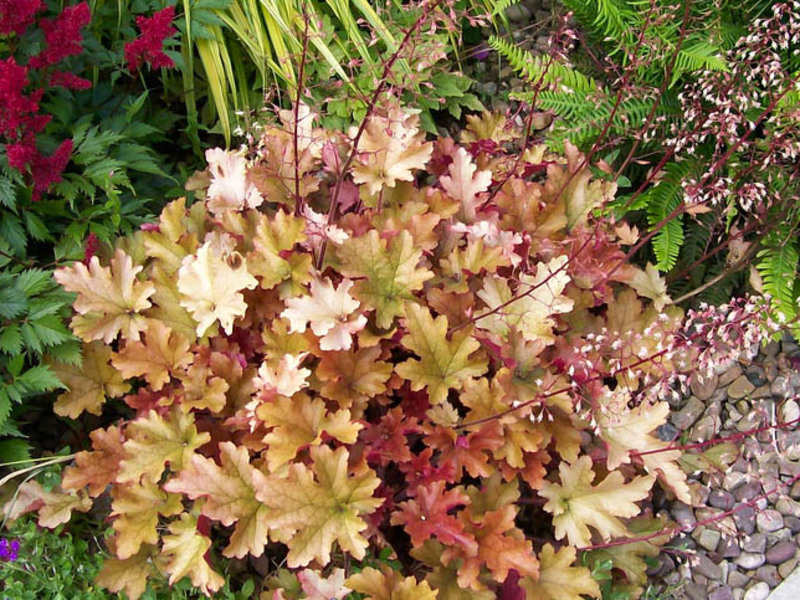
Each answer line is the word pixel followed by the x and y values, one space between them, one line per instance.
pixel 778 269
pixel 661 200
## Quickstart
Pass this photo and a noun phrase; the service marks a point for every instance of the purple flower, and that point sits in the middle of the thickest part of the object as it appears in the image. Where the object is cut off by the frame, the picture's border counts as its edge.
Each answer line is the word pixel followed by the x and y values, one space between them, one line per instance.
pixel 9 552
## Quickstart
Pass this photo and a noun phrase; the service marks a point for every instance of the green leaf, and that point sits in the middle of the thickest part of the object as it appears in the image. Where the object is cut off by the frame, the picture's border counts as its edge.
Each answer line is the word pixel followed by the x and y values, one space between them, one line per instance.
pixel 12 302
pixel 11 339
pixel 40 379
pixel 34 281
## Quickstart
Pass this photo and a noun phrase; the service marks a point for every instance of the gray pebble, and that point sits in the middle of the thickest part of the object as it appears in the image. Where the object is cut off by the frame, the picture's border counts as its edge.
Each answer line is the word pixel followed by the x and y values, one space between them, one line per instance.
pixel 721 593
pixel 740 388
pixel 706 567
pixel 750 560
pixel 769 520
pixel 755 543
pixel 759 591
pixel 721 499
pixel 769 575
pixel 756 375
pixel 737 579
pixel 691 411
pixel 745 520
pixel 793 524
pixel 728 548
pixel 780 552
pixel 704 386
pixel 683 514
pixel 748 491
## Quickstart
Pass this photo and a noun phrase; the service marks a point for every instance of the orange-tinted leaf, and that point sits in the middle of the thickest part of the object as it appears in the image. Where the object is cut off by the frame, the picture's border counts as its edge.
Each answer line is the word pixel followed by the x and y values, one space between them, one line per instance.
pixel 576 504
pixel 558 579
pixel 315 507
pixel 109 299
pixel 389 151
pixel 389 585
pixel 352 378
pixel 154 441
pixel 211 284
pixel 185 549
pixel 427 516
pixel 96 469
pixel 162 353
pixel 136 508
pixel 128 575
pixel 443 363
pixel 300 422
pixel 273 236
pixel 230 497
pixel 88 384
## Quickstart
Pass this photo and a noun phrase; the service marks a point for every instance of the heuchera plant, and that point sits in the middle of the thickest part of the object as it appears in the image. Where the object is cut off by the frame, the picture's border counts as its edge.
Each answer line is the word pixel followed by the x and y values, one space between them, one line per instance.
pixel 370 340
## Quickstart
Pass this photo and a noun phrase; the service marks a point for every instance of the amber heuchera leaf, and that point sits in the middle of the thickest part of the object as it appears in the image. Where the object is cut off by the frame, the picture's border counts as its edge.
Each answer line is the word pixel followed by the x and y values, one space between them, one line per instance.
pixel 300 422
pixel 426 516
pixel 96 469
pixel 211 282
pixel 162 353
pixel 329 312
pixel 317 587
pixel 185 549
pixel 88 384
pixel 576 504
pixel 274 236
pixel 443 363
pixel 128 575
pixel 387 274
pixel 352 378
pixel 54 507
pixel 558 579
pixel 154 441
pixel 137 507
pixel 389 151
pixel 230 496
pixel 530 310
pixel 109 299
pixel 317 506
pixel 388 584
pixel 464 182
pixel 626 430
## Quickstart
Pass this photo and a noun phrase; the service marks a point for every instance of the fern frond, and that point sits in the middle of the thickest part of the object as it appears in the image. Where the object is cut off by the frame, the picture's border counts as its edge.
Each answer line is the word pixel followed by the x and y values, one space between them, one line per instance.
pixel 553 74
pixel 778 269
pixel 661 200
pixel 698 56
pixel 498 7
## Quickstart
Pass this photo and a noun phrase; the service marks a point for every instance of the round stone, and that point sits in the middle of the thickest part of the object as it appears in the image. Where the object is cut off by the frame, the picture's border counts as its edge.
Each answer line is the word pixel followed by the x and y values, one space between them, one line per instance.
pixel 759 591
pixel 709 539
pixel 706 567
pixel 755 543
pixel 788 507
pixel 704 386
pixel 740 388
pixel 750 560
pixel 781 387
pixel 769 575
pixel 789 411
pixel 721 499
pixel 721 593
pixel 769 520
pixel 780 552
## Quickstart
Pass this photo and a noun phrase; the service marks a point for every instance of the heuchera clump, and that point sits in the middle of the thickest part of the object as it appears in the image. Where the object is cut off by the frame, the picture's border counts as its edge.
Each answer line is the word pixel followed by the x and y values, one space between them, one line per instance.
pixel 368 340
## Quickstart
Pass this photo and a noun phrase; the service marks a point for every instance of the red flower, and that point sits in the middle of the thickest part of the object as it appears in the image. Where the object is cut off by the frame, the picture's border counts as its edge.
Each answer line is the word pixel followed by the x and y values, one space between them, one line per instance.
pixel 63 35
pixel 18 15
pixel 149 46
pixel 18 111
pixel 46 170
pixel 90 248
pixel 69 81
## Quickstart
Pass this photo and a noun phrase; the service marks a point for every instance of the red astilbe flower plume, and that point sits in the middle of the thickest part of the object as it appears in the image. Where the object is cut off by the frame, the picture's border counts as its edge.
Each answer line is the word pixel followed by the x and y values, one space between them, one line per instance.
pixel 149 46
pixel 69 81
pixel 17 15
pixel 63 35
pixel 18 110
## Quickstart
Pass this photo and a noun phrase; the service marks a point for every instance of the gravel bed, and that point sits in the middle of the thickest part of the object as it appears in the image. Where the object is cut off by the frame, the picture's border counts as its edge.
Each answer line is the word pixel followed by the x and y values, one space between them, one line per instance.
pixel 752 548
